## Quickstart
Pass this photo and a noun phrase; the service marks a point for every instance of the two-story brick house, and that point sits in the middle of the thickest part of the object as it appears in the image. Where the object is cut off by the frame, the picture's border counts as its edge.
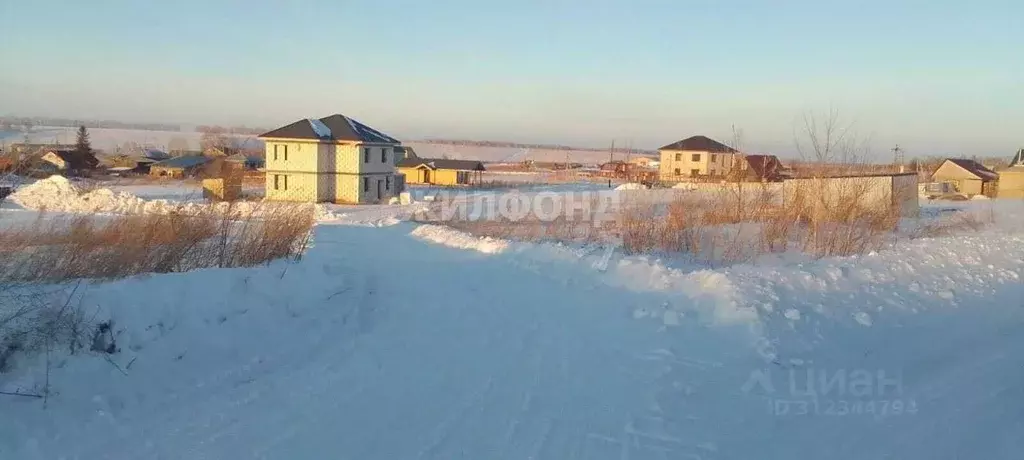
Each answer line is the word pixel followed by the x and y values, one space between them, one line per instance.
pixel 697 156
pixel 332 159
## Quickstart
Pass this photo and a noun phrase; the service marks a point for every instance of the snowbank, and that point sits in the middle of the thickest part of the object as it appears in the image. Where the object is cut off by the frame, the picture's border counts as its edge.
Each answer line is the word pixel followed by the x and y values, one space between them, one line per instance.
pixel 58 194
pixel 453 238
pixel 631 186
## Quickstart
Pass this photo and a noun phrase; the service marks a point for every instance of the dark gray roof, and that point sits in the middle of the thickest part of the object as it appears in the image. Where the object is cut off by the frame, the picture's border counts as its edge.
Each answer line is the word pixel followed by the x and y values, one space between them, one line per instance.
pixel 185 162
pixel 338 128
pixel 701 144
pixel 440 163
pixel 975 168
pixel 154 154
pixel 1018 159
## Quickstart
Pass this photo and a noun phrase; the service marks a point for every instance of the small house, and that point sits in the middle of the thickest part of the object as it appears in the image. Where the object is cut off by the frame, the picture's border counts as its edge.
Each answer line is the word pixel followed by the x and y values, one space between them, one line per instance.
pixel 437 171
pixel 968 176
pixel 644 162
pixel 761 168
pixel 70 161
pixel 179 167
pixel 616 168
pixel 246 162
pixel 1011 180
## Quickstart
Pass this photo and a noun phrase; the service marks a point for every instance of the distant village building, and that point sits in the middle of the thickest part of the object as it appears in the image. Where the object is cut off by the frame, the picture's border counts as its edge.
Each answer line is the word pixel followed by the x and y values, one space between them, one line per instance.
pixel 69 161
pixel 644 162
pixel 616 168
pixel 439 171
pixel 1011 179
pixel 761 168
pixel 331 159
pixel 968 176
pixel 696 157
pixel 179 167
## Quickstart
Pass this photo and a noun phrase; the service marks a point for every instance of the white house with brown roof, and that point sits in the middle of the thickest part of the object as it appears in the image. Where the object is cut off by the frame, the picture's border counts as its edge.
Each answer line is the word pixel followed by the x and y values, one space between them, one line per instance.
pixel 696 157
pixel 332 159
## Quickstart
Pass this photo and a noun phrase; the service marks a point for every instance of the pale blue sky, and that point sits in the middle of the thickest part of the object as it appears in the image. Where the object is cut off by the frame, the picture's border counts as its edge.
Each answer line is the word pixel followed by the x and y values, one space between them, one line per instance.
pixel 938 77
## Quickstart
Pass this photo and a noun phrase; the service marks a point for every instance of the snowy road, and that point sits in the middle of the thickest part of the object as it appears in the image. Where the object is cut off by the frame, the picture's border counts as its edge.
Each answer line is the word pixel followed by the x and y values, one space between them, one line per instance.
pixel 379 345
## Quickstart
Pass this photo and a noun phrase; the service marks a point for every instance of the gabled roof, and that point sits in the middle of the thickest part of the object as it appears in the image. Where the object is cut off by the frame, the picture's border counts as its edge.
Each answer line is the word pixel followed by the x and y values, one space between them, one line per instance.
pixel 336 127
pixel 440 163
pixel 154 154
pixel 185 162
pixel 700 144
pixel 764 166
pixel 975 168
pixel 76 159
pixel 1018 159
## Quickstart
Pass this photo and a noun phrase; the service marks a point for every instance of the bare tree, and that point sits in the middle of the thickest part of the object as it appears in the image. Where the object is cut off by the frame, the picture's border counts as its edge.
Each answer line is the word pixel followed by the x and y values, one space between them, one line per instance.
pixel 213 137
pixel 826 139
pixel 177 146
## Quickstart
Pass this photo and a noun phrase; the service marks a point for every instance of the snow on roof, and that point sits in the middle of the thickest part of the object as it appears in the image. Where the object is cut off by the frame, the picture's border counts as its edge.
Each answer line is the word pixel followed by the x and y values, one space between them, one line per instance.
pixel 319 128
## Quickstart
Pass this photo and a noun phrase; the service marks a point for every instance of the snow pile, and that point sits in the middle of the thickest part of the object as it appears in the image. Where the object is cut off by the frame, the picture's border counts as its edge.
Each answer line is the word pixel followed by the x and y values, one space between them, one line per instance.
pixel 457 239
pixel 58 194
pixel 631 186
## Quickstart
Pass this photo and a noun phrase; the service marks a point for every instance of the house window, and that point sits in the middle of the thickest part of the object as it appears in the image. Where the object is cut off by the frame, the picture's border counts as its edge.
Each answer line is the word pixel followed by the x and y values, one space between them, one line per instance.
pixel 713 156
pixel 384 155
pixel 387 183
pixel 366 159
pixel 281 152
pixel 695 157
pixel 679 157
pixel 694 172
pixel 366 183
pixel 280 182
pixel 678 172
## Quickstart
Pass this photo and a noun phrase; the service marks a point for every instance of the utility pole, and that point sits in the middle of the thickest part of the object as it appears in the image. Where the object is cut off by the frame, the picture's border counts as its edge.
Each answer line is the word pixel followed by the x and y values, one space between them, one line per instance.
pixel 897 155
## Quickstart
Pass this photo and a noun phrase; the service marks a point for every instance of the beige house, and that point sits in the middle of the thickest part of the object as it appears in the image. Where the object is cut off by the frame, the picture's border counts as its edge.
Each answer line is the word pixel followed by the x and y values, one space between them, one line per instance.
pixel 1011 180
pixel 696 157
pixel 332 159
pixel 644 162
pixel 968 176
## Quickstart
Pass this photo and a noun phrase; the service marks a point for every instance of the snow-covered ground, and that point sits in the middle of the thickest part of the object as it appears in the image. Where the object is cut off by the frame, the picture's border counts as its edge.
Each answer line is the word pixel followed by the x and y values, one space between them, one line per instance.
pixel 391 340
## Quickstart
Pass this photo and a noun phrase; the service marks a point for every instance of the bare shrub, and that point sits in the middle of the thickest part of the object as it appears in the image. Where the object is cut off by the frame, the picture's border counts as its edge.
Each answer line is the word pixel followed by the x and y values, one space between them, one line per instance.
pixel 61 248
pixel 39 258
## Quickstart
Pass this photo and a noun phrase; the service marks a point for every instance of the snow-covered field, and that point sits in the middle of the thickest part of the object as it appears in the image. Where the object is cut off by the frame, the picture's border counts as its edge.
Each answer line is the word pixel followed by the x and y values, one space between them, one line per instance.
pixel 394 340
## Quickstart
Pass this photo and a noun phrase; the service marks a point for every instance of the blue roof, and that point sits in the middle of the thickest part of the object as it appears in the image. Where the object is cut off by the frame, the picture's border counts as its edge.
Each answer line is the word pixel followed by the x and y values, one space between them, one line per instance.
pixel 183 162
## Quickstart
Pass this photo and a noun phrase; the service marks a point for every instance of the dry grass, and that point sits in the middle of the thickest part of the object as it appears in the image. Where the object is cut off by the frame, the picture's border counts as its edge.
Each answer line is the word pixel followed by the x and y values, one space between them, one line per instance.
pixel 57 249
pixel 730 226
